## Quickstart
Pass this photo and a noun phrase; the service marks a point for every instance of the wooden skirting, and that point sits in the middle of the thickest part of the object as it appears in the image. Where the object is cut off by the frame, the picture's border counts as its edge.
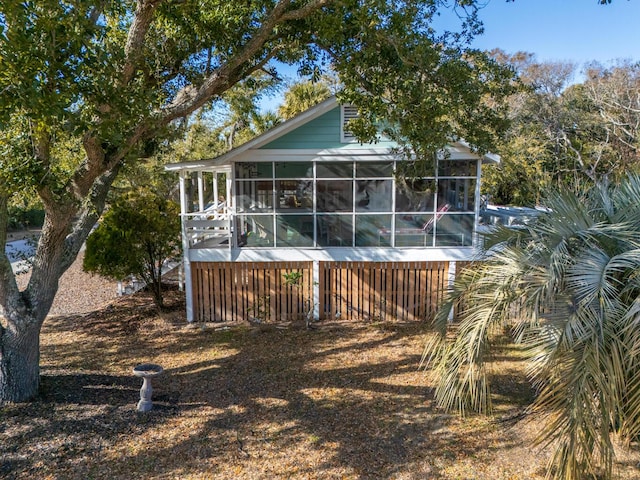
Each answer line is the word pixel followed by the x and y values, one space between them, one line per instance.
pixel 379 291
pixel 371 291
pixel 231 291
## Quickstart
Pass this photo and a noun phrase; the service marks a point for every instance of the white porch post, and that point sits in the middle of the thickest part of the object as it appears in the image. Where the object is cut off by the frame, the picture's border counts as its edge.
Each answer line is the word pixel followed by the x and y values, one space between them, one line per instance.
pixel 185 248
pixel 216 195
pixel 200 192
pixel 476 222
pixel 230 198
pixel 230 209
pixel 453 266
pixel 183 194
pixel 315 300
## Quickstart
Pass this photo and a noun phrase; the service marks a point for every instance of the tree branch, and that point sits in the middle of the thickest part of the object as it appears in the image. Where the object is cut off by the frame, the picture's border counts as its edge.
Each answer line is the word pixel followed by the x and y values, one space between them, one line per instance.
pixel 191 97
pixel 135 40
pixel 89 215
pixel 95 12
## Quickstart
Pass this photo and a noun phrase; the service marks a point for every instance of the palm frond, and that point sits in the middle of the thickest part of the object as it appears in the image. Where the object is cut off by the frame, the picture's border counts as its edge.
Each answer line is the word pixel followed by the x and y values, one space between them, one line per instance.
pixel 580 398
pixel 568 285
pixel 626 197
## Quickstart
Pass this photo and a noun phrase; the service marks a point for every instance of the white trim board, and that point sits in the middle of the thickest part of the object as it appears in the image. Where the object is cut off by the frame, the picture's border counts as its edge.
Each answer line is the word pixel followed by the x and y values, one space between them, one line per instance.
pixel 360 254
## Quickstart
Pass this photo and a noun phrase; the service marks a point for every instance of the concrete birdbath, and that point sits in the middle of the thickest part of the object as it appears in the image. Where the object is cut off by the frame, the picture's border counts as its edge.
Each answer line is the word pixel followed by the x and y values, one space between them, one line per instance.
pixel 147 371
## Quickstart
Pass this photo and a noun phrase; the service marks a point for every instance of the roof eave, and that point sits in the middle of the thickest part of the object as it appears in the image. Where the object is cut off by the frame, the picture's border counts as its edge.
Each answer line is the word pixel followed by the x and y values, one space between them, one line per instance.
pixel 491 158
pixel 260 140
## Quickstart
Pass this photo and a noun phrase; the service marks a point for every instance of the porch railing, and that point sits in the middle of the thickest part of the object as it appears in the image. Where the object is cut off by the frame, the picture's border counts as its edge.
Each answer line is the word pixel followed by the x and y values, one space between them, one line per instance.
pixel 208 229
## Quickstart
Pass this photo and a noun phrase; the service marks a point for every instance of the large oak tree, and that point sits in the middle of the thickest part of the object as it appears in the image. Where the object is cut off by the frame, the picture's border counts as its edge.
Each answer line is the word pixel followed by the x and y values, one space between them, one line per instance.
pixel 88 86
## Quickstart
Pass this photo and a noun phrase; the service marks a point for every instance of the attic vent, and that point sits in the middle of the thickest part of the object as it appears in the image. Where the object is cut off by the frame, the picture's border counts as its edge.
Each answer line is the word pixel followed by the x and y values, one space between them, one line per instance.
pixel 349 112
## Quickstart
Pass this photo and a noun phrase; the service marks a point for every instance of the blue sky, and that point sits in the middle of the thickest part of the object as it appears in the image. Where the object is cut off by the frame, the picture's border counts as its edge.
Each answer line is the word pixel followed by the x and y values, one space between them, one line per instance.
pixel 571 30
pixel 577 31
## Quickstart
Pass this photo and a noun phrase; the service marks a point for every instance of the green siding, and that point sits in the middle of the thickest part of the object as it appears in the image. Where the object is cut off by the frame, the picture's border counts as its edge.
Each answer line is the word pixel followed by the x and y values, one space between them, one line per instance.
pixel 320 133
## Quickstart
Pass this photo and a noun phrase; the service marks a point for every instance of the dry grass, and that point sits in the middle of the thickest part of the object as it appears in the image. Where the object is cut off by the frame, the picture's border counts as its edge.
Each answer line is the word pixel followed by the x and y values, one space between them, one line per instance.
pixel 340 402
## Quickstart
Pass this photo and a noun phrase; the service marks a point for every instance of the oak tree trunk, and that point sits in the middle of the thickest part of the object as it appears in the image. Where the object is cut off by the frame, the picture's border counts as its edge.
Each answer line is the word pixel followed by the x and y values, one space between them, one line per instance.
pixel 20 363
pixel 22 313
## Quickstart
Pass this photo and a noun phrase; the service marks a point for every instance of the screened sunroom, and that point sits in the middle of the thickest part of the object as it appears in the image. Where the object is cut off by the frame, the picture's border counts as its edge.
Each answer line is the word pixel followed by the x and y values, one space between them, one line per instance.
pixel 353 204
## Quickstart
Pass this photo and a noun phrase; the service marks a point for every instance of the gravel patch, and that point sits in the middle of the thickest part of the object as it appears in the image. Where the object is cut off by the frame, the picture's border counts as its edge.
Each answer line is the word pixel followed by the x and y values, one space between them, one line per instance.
pixel 79 292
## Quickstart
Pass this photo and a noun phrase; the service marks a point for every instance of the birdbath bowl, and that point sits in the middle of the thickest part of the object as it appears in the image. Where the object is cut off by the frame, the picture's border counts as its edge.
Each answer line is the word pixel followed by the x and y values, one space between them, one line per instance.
pixel 146 371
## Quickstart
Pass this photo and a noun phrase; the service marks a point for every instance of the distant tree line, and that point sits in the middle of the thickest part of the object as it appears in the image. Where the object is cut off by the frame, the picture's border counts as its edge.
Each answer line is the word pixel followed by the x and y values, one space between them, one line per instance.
pixel 565 134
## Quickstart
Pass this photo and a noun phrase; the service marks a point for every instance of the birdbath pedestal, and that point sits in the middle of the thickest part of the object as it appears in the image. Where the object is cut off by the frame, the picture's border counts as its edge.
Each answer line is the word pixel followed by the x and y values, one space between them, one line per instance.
pixel 146 371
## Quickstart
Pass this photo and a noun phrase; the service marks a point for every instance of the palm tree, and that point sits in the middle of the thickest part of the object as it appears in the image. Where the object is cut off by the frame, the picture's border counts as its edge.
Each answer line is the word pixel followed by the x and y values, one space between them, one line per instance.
pixel 568 286
pixel 302 96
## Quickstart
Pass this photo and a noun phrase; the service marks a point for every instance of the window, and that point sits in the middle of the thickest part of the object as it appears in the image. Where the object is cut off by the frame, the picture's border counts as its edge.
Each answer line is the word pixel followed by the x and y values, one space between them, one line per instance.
pixel 294 195
pixel 334 170
pixel 459 193
pixel 415 195
pixel 354 204
pixel 294 230
pixel 374 169
pixel 457 168
pixel 255 230
pixel 374 195
pixel 371 230
pixel 334 195
pixel 454 231
pixel 294 169
pixel 254 170
pixel 413 230
pixel 254 196
pixel 334 230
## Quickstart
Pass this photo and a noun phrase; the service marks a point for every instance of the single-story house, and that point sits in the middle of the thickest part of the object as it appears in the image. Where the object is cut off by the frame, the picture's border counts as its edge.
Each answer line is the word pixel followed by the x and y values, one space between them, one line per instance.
pixel 306 220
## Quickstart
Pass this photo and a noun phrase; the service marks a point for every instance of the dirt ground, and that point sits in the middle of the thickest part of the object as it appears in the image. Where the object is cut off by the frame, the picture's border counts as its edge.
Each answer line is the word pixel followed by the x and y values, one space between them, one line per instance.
pixel 79 292
pixel 344 401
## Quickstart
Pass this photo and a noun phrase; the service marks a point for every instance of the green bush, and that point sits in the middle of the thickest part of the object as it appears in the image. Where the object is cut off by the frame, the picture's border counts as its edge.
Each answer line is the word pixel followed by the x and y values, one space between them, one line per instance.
pixel 136 237
pixel 20 218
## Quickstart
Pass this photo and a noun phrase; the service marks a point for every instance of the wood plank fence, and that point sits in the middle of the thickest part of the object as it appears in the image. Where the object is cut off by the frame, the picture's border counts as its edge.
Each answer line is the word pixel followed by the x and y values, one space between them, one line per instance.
pixel 231 291
pixel 371 291
pixel 379 291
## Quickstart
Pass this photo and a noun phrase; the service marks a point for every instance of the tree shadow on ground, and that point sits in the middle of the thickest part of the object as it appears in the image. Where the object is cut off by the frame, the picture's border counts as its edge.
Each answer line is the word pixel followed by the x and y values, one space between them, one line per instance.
pixel 346 400
pixel 374 426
